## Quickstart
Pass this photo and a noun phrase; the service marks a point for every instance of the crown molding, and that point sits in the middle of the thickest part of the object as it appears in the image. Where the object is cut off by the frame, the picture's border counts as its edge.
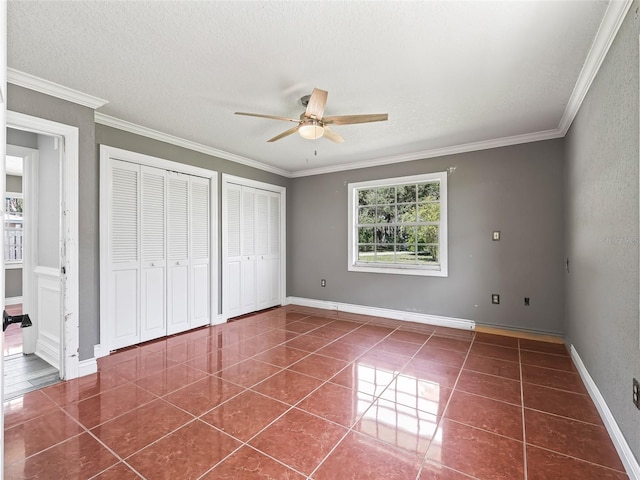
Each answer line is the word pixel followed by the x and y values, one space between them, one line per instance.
pixel 436 152
pixel 611 22
pixel 41 85
pixel 110 121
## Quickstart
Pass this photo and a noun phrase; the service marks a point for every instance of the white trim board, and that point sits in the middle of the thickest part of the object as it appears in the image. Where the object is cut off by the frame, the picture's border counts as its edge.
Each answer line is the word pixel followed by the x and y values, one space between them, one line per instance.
pixel 87 367
pixel 13 301
pixel 626 455
pixel 113 122
pixel 424 318
pixel 47 87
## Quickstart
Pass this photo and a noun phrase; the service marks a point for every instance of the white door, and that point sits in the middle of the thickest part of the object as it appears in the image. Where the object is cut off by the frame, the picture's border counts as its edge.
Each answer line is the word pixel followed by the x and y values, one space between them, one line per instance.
pixel 200 258
pixel 232 227
pixel 274 250
pixel 124 245
pixel 263 277
pixel 178 252
pixel 153 299
pixel 248 252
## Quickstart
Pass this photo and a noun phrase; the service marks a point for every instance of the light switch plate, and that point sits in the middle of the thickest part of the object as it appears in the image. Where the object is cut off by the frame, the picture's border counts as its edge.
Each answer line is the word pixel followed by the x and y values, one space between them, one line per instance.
pixel 496 235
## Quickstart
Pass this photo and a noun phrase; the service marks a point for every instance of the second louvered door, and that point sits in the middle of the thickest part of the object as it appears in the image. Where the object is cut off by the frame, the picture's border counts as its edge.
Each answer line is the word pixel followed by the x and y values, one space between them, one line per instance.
pixel 177 252
pixel 153 298
pixel 199 237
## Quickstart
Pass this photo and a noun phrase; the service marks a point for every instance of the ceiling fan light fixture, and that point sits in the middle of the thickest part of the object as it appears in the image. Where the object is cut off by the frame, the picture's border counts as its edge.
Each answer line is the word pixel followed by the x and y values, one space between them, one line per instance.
pixel 311 130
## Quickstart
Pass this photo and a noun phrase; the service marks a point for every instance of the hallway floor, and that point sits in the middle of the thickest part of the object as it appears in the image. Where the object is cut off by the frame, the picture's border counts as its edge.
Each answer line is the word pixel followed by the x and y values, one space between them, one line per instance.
pixel 302 393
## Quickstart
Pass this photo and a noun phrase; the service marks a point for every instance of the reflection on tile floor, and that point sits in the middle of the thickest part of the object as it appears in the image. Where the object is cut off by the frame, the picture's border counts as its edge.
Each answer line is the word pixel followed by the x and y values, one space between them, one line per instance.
pixel 296 392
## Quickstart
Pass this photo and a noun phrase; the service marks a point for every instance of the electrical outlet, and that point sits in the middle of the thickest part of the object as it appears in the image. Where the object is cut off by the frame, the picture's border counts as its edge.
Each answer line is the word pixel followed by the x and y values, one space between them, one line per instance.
pixel 496 235
pixel 323 283
pixel 527 301
pixel 495 298
pixel 636 393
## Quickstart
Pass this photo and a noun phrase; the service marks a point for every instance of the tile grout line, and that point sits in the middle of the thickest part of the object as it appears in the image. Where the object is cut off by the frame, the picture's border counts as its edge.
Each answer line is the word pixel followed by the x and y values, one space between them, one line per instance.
pixel 188 340
pixel 291 407
pixel 350 429
pixel 444 411
pixel 524 427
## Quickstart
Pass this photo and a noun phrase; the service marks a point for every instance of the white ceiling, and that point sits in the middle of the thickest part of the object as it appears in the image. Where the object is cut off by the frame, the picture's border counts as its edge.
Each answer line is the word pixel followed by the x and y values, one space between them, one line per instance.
pixel 448 73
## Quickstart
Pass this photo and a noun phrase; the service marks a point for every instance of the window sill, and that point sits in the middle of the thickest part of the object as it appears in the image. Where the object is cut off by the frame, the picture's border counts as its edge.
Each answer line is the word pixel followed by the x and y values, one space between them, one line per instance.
pixel 12 266
pixel 423 272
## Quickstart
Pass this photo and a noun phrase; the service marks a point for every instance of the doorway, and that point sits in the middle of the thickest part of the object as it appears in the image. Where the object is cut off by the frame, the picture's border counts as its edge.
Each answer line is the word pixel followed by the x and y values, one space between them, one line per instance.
pixel 49 240
pixel 32 218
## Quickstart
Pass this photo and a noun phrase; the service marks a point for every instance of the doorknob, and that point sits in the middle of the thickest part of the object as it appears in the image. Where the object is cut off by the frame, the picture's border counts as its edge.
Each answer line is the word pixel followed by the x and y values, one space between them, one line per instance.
pixel 7 320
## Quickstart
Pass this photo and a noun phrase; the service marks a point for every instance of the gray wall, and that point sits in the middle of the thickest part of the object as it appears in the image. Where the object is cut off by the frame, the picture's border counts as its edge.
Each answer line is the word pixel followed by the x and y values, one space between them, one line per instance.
pixel 39 105
pixel 48 203
pixel 602 229
pixel 14 184
pixel 22 138
pixel 12 282
pixel 517 190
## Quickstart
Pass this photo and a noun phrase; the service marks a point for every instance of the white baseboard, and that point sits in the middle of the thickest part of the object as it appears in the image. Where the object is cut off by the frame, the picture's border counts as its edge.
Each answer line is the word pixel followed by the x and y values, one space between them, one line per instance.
pixel 13 300
pixel 97 351
pixel 626 455
pixel 218 319
pixel 87 367
pixel 384 312
pixel 48 349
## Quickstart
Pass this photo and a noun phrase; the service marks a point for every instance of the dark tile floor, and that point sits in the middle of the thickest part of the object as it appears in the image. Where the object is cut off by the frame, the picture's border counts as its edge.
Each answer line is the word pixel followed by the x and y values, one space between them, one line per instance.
pixel 302 393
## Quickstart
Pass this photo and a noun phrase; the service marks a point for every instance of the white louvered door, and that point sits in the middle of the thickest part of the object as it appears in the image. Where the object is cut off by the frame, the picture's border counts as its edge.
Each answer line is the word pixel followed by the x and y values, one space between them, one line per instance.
pixel 274 249
pixel 200 274
pixel 252 257
pixel 248 252
pixel 157 247
pixel 262 249
pixel 177 252
pixel 232 293
pixel 124 244
pixel 153 298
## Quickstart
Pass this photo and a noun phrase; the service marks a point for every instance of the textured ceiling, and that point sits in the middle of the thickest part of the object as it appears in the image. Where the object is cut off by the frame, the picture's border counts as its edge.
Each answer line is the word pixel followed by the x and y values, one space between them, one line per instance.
pixel 448 73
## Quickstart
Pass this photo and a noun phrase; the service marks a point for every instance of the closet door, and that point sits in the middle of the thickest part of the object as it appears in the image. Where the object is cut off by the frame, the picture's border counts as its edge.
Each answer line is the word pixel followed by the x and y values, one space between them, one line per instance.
pixel 263 275
pixel 124 305
pixel 274 250
pixel 177 252
pixel 248 251
pixel 200 270
pixel 153 298
pixel 232 294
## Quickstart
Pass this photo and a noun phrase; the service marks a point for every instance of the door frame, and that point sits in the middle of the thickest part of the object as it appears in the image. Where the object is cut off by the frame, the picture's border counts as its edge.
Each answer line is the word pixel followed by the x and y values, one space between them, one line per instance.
pixel 108 153
pixel 69 287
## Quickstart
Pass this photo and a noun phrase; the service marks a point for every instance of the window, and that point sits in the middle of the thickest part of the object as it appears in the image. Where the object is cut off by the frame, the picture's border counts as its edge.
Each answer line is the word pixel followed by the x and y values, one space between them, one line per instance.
pixel 13 211
pixel 399 225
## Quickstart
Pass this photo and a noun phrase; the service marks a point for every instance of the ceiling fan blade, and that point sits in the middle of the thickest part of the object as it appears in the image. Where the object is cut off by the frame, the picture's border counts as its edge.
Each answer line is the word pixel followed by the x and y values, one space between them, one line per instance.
pixel 317 102
pixel 272 117
pixel 284 134
pixel 351 119
pixel 331 135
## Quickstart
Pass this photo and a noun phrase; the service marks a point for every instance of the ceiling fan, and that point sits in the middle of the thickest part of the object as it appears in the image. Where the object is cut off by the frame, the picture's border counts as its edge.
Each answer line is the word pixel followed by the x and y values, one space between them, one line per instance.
pixel 312 125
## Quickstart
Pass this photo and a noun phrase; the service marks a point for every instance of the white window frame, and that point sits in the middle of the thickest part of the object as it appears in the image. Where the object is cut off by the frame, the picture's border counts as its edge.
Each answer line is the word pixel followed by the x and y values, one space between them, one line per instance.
pixel 440 270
